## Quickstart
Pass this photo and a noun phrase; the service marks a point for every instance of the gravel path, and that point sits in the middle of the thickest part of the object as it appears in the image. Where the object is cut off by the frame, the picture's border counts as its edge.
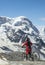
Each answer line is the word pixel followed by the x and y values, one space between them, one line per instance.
pixel 25 63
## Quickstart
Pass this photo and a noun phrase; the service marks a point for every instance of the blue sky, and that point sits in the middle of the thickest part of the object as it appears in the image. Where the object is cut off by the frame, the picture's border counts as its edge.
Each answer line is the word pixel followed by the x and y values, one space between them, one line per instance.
pixel 32 9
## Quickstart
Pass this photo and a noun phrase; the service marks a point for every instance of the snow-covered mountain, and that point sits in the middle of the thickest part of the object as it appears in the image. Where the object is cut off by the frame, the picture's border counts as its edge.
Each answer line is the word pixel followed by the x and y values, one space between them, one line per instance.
pixel 14 31
pixel 42 32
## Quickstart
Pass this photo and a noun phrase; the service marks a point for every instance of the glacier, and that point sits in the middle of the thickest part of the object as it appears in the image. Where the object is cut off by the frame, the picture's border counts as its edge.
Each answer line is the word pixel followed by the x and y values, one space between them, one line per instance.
pixel 13 32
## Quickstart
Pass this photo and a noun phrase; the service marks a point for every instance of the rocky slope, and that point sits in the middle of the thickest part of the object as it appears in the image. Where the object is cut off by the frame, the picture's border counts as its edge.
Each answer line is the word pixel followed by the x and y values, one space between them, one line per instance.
pixel 13 32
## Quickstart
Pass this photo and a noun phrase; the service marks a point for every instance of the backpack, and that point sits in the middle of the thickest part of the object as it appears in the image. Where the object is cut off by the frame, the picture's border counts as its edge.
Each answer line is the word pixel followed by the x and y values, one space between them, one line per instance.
pixel 29 44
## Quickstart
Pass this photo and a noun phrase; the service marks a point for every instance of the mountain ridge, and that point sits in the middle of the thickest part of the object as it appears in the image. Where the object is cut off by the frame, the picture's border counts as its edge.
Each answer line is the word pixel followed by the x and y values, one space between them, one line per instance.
pixel 15 30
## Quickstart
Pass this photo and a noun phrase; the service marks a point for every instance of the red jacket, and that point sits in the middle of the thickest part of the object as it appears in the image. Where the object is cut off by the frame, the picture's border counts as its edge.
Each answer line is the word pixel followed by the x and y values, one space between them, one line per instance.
pixel 27 47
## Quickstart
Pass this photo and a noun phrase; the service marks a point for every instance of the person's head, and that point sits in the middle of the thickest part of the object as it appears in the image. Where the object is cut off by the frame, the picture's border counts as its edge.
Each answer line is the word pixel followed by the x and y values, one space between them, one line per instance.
pixel 28 39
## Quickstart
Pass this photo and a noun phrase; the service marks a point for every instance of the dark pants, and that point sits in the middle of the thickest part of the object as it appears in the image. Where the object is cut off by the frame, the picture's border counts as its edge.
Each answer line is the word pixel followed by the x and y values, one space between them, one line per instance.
pixel 28 55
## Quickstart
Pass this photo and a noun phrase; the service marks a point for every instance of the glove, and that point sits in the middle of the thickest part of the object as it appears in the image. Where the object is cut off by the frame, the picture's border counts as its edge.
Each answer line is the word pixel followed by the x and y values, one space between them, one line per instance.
pixel 22 46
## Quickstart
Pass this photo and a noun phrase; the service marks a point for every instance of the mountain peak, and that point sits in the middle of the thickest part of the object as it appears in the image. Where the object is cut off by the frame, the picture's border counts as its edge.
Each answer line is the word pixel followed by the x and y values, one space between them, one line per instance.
pixel 14 30
pixel 22 17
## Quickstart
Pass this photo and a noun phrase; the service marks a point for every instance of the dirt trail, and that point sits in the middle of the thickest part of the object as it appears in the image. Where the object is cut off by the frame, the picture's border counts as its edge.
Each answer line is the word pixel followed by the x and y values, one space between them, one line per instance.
pixel 26 63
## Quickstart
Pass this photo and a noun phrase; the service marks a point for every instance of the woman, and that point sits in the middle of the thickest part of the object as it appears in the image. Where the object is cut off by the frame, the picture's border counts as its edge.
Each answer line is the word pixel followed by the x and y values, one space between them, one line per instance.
pixel 27 45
